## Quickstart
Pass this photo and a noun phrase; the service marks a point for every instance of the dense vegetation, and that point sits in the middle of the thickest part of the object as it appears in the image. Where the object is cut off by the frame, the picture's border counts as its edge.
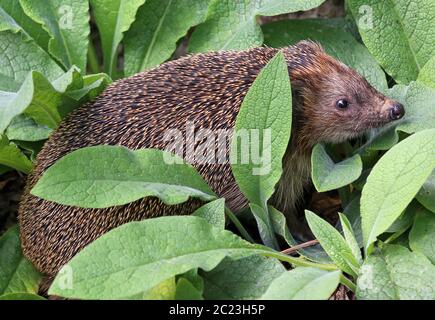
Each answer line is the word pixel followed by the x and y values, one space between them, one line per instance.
pixel 382 246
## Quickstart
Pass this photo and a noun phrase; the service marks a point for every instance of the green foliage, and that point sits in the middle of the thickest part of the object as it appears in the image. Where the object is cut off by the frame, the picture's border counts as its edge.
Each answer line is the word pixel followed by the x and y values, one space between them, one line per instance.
pixel 17 275
pixel 50 64
pixel 119 176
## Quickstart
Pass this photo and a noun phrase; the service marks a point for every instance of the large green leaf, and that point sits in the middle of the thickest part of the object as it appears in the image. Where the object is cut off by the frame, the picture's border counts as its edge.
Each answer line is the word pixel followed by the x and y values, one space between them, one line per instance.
pixel 159 25
pixel 25 129
pixel 422 234
pixel 333 243
pixel 246 278
pixel 396 273
pixel 67 23
pixel 394 181
pixel 327 175
pixel 303 284
pixel 11 9
pixel 113 18
pixel 213 212
pixel 232 25
pixel 105 176
pixel 20 55
pixel 137 256
pixel 399 34
pixel 17 275
pixel 336 42
pixel 265 117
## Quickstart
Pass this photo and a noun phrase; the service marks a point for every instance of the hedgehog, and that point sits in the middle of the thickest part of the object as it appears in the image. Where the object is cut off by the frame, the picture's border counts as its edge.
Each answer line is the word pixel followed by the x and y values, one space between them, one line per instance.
pixel 331 103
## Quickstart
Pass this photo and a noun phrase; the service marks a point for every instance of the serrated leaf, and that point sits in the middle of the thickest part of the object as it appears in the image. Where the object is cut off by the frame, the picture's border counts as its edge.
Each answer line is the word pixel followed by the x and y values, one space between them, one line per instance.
pixel 422 234
pixel 17 275
pixel 426 195
pixel 396 273
pixel 394 181
pixel 327 175
pixel 138 255
pixel 303 284
pixel 67 23
pixel 159 24
pixel 333 243
pixel 399 34
pixel 105 176
pixel 246 278
pixel 232 25
pixel 113 18
pixel 336 42
pixel 213 212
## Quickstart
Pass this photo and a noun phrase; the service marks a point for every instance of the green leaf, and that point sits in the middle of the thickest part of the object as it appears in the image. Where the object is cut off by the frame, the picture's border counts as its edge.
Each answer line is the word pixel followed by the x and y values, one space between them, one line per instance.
pixel 397 33
pixel 159 24
pixel 246 278
pixel 21 296
pixel 67 23
pixel 265 117
pixel 303 284
pixel 394 273
pixel 394 181
pixel 232 25
pixel 426 195
pixel 105 176
pixel 25 129
pixel 12 9
pixel 17 275
pixel 336 42
pixel 11 156
pixel 333 243
pixel 352 212
pixel 213 212
pixel 113 18
pixel 350 238
pixel 422 235
pixel 427 73
pixel 149 252
pixel 19 56
pixel 187 291
pixel 327 175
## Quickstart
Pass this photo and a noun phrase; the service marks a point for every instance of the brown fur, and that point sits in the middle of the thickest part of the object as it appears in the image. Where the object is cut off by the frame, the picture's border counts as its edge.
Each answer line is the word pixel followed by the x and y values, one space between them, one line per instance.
pixel 207 89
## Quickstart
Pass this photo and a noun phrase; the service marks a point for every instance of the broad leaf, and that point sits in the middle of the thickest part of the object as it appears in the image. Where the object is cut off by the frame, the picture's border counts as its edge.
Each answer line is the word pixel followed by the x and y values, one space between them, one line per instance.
pixel 422 235
pixel 137 256
pixel 303 284
pixel 394 181
pixel 394 273
pixel 328 175
pixel 159 24
pixel 105 176
pixel 426 195
pixel 232 25
pixel 12 157
pixel 427 73
pixel 113 18
pixel 213 212
pixel 17 275
pixel 399 34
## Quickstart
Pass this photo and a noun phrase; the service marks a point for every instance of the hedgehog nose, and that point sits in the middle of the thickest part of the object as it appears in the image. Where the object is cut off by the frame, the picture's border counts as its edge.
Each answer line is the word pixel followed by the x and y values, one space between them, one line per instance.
pixel 397 111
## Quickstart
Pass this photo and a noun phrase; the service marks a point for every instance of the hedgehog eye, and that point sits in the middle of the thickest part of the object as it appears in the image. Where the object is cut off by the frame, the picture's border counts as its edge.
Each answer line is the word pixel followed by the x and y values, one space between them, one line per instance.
pixel 342 104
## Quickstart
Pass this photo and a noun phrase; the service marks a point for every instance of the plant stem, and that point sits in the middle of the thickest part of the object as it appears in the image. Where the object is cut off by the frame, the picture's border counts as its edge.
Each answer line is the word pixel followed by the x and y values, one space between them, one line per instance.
pixel 301 262
pixel 348 283
pixel 93 64
pixel 238 225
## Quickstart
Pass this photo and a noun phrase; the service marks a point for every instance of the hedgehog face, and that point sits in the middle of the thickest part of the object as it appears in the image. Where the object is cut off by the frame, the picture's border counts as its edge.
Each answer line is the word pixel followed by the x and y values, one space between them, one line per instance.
pixel 334 103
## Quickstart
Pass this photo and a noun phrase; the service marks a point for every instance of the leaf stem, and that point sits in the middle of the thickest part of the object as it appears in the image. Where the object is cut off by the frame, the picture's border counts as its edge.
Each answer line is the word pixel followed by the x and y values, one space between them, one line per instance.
pixel 348 283
pixel 301 262
pixel 238 225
